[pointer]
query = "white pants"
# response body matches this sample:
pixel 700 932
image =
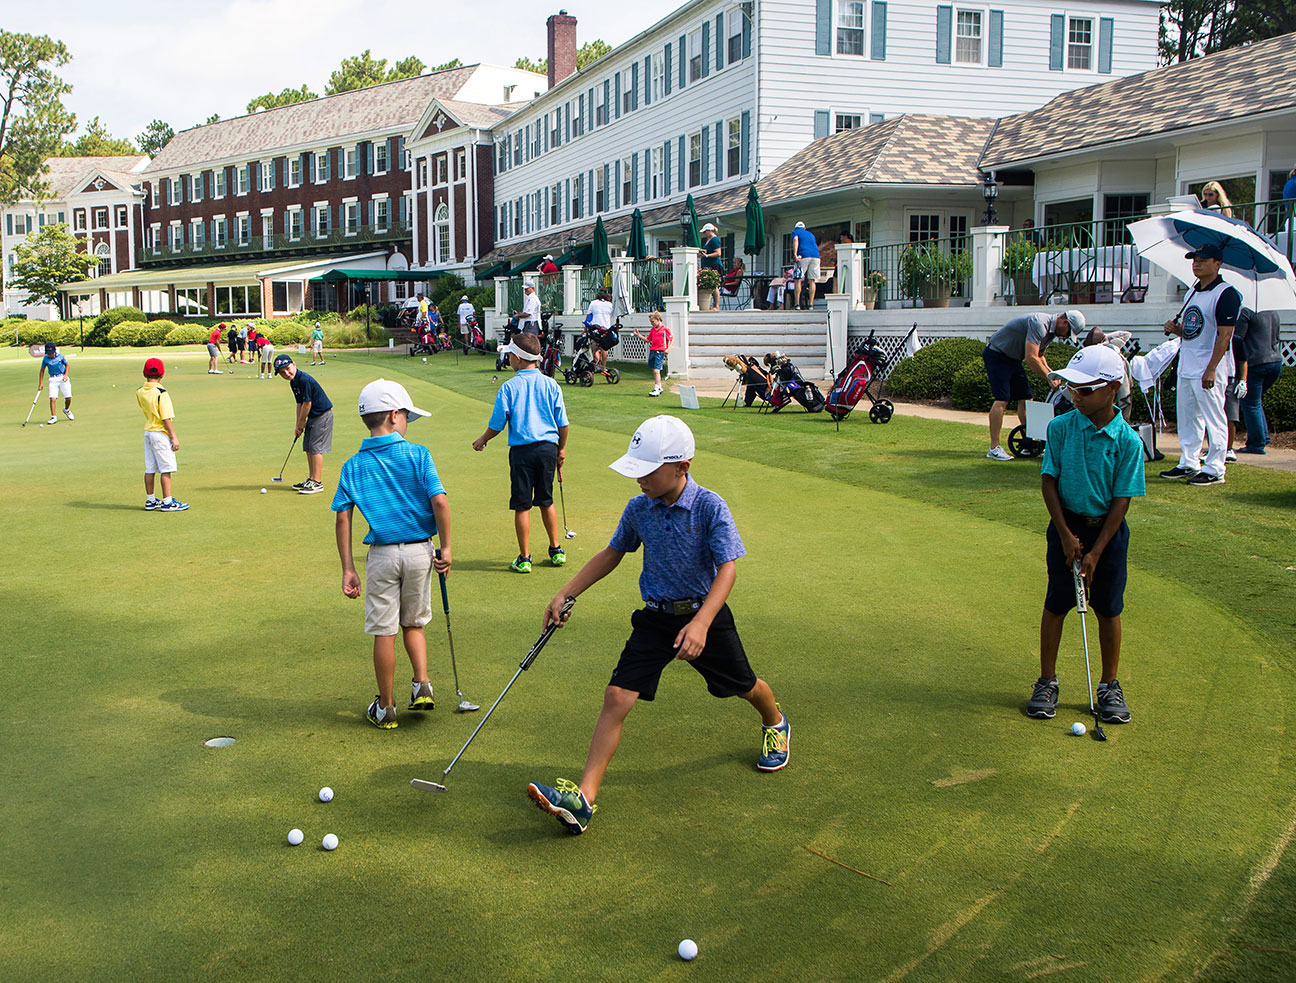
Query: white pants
pixel 1201 410
pixel 60 385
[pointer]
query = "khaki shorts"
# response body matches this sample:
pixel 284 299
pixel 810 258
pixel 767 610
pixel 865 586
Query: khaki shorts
pixel 397 587
pixel 809 267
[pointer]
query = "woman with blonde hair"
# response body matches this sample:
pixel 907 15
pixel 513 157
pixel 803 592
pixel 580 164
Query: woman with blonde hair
pixel 1215 198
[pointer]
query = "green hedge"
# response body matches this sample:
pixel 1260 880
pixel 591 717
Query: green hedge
pixel 39 332
pixel 930 373
pixel 97 336
pixel 1280 401
pixel 186 334
pixel 141 334
pixel 288 333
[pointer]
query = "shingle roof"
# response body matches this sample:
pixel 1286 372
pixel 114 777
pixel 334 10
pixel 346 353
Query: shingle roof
pixel 65 172
pixel 322 121
pixel 1231 84
pixel 478 114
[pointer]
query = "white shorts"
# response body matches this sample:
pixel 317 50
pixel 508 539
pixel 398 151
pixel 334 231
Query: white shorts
pixel 317 347
pixel 397 587
pixel 267 353
pixel 60 385
pixel 159 458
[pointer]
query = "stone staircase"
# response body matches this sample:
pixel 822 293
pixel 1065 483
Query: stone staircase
pixel 801 335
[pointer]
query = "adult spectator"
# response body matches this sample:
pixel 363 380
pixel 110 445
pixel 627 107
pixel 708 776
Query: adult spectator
pixel 1260 346
pixel 1215 198
pixel 548 266
pixel 805 250
pixel 1013 347
pixel 422 322
pixel 466 313
pixel 1030 233
pixel 598 321
pixel 529 316
pixel 1207 331
pixel 712 259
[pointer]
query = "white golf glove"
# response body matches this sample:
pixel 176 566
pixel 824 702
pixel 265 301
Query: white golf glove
pixel 1240 389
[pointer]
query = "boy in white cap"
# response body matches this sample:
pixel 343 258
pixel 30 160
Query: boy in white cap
pixel 1093 466
pixel 690 548
pixel 395 485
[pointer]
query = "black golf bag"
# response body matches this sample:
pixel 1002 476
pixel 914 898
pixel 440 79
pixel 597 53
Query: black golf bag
pixel 754 380
pixel 506 335
pixel 788 384
pixel 860 377
pixel 551 353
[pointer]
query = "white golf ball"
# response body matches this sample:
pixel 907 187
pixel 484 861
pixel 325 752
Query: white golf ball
pixel 329 842
pixel 1078 729
pixel 688 950
pixel 425 361
pixel 326 794
pixel 42 426
pixel 263 491
pixel 295 836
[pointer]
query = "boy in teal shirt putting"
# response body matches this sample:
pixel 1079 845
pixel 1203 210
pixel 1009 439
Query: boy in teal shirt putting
pixel 1093 466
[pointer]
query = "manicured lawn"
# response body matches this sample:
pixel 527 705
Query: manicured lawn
pixel 890 596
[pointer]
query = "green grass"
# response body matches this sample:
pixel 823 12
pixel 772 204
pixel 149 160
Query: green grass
pixel 890 595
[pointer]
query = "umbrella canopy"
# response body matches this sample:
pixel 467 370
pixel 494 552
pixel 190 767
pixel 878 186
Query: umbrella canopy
pixel 637 244
pixel 754 242
pixel 692 237
pixel 1260 272
pixel 599 255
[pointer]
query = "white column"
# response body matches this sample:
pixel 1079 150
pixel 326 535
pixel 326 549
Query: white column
pixel 501 295
pixel 677 322
pixel 571 281
pixel 987 265
pixel 684 267
pixel 839 308
pixel 851 260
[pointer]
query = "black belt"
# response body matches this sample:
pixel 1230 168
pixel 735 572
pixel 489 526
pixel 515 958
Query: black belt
pixel 406 542
pixel 686 606
pixel 1092 521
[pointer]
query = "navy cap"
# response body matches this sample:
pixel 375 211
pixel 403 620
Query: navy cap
pixel 1207 250
pixel 281 361
pixel 50 348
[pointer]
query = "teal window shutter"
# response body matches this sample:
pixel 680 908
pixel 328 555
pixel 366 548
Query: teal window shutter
pixel 634 178
pixel 706 156
pixel 647 76
pixel 1106 27
pixel 995 53
pixel 823 27
pixel 647 172
pixel 668 68
pixel 719 150
pixel 666 167
pixel 746 29
pixel 683 166
pixel 607 101
pixel 944 34
pixel 1057 35
pixel 616 95
pixel 720 41
pixel 589 195
pixel 877 50
pixel 634 86
pixel 683 58
pixel 820 123
pixel 746 141
pixel 287 173
pixel 706 48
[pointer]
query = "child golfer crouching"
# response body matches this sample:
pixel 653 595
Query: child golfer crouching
pixel 1093 466
pixel 396 487
pixel 690 545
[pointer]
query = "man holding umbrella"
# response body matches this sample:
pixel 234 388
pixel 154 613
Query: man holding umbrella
pixel 1205 364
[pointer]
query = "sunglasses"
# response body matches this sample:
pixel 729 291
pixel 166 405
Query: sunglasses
pixel 1088 390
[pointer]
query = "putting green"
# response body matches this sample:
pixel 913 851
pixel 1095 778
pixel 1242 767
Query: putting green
pixel 924 830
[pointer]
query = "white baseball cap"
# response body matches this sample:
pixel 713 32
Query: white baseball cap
pixel 661 440
pixel 383 394
pixel 464 297
pixel 1098 363
pixel 799 225
pixel 522 353
pixel 708 226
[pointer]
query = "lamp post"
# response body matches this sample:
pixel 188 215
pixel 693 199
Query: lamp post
pixel 686 223
pixel 571 247
pixel 989 191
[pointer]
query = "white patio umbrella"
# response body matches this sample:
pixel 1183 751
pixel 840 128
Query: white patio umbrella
pixel 1260 272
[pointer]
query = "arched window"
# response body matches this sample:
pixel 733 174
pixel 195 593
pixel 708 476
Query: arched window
pixel 441 232
pixel 104 252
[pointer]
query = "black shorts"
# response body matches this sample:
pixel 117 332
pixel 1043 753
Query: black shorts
pixel 242 344
pixel 531 473
pixel 650 649
pixel 1007 376
pixel 1107 589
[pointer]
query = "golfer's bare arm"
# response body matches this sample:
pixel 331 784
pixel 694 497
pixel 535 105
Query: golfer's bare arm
pixel 487 436
pixel 350 579
pixel 171 432
pixel 303 411
pixel 562 445
pixel 1053 502
pixel 441 511
pixel 596 568
pixel 1037 363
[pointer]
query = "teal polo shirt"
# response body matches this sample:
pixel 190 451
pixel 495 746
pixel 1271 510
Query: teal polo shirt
pixel 1093 466
pixel 392 481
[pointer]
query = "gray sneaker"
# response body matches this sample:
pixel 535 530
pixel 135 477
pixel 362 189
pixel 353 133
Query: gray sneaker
pixel 1043 701
pixel 1111 704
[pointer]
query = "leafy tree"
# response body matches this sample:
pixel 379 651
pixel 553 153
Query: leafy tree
pixel 540 67
pixel 33 120
pixel 590 51
pixel 155 136
pixel 1192 28
pixel 364 70
pixel 213 118
pixel 452 63
pixel 96 141
pixel 285 98
pixel 46 259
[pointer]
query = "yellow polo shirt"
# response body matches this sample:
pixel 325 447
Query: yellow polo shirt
pixel 156 404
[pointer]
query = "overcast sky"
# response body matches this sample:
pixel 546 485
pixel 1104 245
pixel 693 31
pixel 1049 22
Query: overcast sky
pixel 132 63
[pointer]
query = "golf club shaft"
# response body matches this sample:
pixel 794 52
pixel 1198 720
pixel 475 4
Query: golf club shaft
pixel 562 496
pixel 445 603
pixel 1082 606
pixel 35 400
pixel 483 722
pixel 290 450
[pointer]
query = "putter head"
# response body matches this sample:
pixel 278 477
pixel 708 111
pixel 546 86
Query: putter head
pixel 466 707
pixel 570 535
pixel 276 479
pixel 428 786
pixel 1098 734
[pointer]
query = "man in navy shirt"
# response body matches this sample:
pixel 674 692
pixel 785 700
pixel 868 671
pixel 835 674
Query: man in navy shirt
pixel 314 419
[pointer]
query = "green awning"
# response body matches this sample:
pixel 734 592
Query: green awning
pixel 527 265
pixel 401 276
pixel 580 256
pixel 182 276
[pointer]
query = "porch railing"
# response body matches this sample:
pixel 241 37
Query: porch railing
pixel 931 271
pixel 592 280
pixel 649 283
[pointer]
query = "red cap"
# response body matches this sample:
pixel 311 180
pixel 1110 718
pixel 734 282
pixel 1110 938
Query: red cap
pixel 154 368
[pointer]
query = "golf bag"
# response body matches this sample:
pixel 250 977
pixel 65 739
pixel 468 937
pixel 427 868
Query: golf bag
pixel 551 353
pixel 788 384
pixel 506 335
pixel 473 338
pixel 424 342
pixel 583 368
pixel 754 380
pixel 854 382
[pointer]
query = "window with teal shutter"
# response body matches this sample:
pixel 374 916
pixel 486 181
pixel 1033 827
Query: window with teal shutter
pixel 877 46
pixel 944 33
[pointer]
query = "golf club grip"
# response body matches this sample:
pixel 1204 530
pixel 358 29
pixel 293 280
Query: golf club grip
pixel 545 635
pixel 1082 600
pixel 445 598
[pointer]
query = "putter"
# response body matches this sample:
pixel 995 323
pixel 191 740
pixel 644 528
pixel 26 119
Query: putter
pixel 285 463
pixel 562 498
pixel 464 706
pixel 33 407
pixel 525 664
pixel 1082 605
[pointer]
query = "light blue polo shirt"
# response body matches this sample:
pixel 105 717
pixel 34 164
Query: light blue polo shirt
pixel 684 544
pixel 391 481
pixel 1093 466
pixel 530 407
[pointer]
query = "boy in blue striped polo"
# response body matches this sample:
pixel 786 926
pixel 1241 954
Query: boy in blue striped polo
pixel 1092 468
pixel 531 407
pixel 395 485
pixel 690 548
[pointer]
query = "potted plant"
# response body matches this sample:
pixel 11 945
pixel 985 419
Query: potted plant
pixel 1018 265
pixel 708 287
pixel 874 284
pixel 929 272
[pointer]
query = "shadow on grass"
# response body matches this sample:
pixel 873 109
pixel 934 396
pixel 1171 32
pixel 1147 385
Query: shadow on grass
pixel 105 506
pixel 1278 498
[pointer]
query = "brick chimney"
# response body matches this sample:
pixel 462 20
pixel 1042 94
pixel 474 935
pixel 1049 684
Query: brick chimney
pixel 562 46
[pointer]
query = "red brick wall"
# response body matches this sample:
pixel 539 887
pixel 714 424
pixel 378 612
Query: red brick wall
pixel 485 196
pixel 561 33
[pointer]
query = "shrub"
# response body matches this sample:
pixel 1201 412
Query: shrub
pixel 349 334
pixel 970 388
pixel 39 332
pixel 187 334
pixel 363 311
pixel 287 333
pixel 930 373
pixel 105 322
pixel 449 285
pixel 1280 401
pixel 140 334
pixel 1057 356
pixel 310 317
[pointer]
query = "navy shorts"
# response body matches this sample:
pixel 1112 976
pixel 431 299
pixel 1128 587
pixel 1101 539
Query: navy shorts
pixel 531 474
pixel 650 649
pixel 1107 588
pixel 656 360
pixel 1007 376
